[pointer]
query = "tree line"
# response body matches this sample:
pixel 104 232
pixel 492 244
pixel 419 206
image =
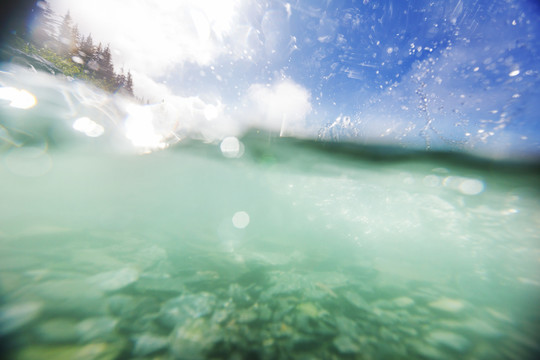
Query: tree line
pixel 58 40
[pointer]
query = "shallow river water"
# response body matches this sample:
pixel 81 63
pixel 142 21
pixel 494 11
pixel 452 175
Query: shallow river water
pixel 285 249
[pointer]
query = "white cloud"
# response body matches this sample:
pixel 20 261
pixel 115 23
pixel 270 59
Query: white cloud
pixel 281 107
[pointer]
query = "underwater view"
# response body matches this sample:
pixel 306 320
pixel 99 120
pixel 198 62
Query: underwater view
pixel 270 180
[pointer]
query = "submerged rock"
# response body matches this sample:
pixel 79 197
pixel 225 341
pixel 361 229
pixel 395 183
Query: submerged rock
pixel 345 345
pixel 114 280
pixel 178 310
pixel 427 351
pixel 449 340
pixel 194 339
pixel 15 316
pixel 474 326
pixel 94 351
pixel 147 344
pixel 403 301
pixel 346 326
pixel 149 257
pixel 166 286
pixel 122 305
pixel 57 331
pixel 448 305
pixel 246 316
pixel 357 301
pixel 69 297
pixel 100 328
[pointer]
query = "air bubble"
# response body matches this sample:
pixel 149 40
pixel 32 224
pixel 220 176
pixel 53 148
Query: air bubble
pixel 240 220
pixel 231 147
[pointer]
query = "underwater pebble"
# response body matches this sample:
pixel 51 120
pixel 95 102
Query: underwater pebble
pixel 177 310
pixel 448 305
pixel 57 331
pixel 427 351
pixel 499 316
pixel 345 345
pixel 15 316
pixel 100 328
pixel 309 309
pixel 149 257
pixel 220 316
pixel 448 339
pixel 403 301
pixel 169 286
pixel 122 305
pixel 265 313
pixel 482 328
pixel 357 300
pixel 194 338
pixel 114 280
pixel 65 297
pixel 345 325
pixel 476 326
pixel 95 351
pixel 147 344
pixel 246 316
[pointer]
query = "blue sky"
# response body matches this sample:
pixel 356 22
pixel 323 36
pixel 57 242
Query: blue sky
pixel 439 73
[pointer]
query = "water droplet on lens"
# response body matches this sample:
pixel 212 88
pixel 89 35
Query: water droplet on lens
pixel 240 219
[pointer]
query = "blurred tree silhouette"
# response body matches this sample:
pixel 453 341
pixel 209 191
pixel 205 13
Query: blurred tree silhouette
pixel 32 27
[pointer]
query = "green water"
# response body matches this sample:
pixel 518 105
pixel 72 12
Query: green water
pixel 295 250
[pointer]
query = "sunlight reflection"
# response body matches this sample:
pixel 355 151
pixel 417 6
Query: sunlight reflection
pixel 464 185
pixel 89 127
pixel 20 99
pixel 240 219
pixel 231 147
pixel 140 129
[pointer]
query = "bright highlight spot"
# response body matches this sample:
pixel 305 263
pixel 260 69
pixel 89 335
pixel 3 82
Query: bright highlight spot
pixel 139 127
pixel 240 220
pixel 464 185
pixel 77 60
pixel 20 99
pixel 88 127
pixel 231 147
pixel 514 73
pixel 471 187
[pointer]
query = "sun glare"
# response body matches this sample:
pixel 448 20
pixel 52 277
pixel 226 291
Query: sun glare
pixel 152 37
pixel 20 99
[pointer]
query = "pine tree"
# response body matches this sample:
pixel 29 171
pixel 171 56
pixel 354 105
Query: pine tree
pixel 87 50
pixel 65 36
pixel 44 25
pixel 120 80
pixel 60 42
pixel 74 41
pixel 93 61
pixel 106 65
pixel 129 84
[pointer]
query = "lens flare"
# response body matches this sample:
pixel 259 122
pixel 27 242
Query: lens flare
pixel 20 99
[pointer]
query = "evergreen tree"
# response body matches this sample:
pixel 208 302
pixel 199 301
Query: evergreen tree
pixel 65 36
pixel 120 80
pixel 129 84
pixel 106 68
pixel 87 50
pixel 60 42
pixel 93 62
pixel 44 25
pixel 74 41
